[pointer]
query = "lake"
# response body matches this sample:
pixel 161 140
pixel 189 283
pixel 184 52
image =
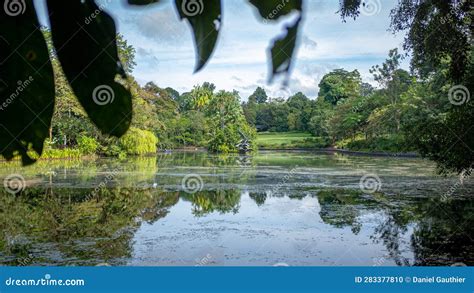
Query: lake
pixel 270 209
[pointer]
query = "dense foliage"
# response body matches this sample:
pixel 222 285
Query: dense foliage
pixel 84 41
pixel 405 113
pixel 428 109
pixel 162 118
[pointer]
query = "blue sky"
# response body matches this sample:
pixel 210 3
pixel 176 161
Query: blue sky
pixel 165 51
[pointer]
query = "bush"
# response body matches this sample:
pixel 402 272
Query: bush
pixel 87 145
pixel 61 154
pixel 389 143
pixel 224 140
pixel 138 142
pixel 114 150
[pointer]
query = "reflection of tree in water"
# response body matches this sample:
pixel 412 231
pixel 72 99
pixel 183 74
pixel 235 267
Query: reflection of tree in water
pixel 258 197
pixel 390 232
pixel 445 234
pixel 69 226
pixel 442 232
pixel 339 208
pixel 205 202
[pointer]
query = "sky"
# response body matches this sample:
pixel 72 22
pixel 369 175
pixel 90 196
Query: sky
pixel 165 50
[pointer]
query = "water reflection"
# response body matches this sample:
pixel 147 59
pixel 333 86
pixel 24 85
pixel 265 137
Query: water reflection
pixel 250 212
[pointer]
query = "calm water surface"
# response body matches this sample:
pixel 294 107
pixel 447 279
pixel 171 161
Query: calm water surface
pixel 275 208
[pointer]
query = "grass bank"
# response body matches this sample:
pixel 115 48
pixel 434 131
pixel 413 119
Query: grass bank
pixel 289 140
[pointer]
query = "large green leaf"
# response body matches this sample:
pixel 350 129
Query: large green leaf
pixel 205 19
pixel 283 49
pixel 85 40
pixel 26 82
pixel 274 9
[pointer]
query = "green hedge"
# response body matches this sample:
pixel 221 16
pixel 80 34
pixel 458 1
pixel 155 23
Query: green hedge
pixel 138 142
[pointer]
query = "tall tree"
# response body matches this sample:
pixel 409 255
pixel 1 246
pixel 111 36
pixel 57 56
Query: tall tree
pixel 339 85
pixel 259 96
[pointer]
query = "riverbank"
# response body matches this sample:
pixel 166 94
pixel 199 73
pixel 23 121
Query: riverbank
pixel 301 141
pixel 348 152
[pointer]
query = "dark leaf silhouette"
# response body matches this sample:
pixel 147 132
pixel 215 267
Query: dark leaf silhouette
pixel 205 20
pixel 283 47
pixel 86 46
pixel 26 83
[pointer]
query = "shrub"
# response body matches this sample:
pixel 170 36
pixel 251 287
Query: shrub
pixel 87 145
pixel 138 142
pixel 114 150
pixel 61 154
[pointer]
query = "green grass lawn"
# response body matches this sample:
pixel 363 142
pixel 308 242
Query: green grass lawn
pixel 275 140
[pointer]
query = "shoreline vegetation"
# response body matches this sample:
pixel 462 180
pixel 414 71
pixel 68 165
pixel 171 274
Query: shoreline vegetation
pixel 75 154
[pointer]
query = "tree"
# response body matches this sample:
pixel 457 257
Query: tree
pixel 227 122
pixel 174 94
pixel 439 38
pixel 339 85
pixel 300 112
pixel 259 96
pixel 395 82
pixel 201 96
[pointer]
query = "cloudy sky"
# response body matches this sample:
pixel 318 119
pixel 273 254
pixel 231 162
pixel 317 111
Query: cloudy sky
pixel 165 51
